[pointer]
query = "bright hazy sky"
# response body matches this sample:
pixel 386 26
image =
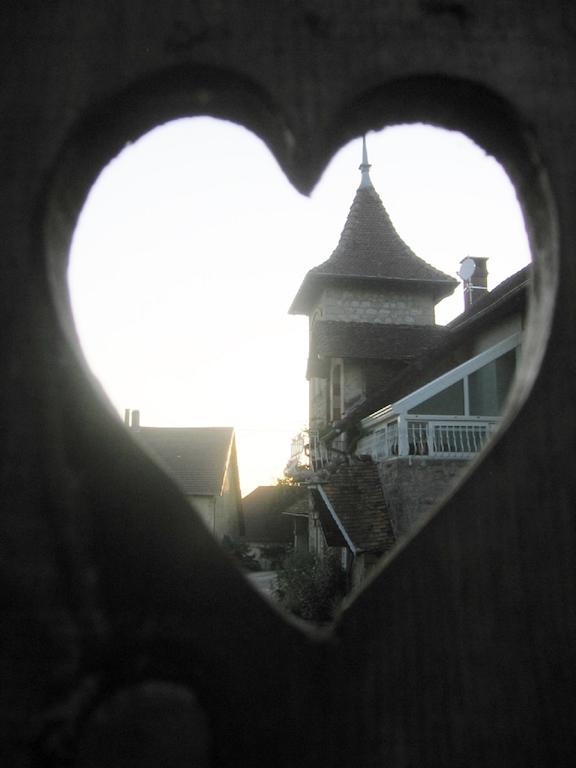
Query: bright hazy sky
pixel 192 245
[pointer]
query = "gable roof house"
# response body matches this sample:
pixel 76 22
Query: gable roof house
pixel 390 389
pixel 202 461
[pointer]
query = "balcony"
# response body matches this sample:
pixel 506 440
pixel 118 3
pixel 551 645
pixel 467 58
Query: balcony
pixel 321 454
pixel 310 454
pixel 452 416
pixel 448 437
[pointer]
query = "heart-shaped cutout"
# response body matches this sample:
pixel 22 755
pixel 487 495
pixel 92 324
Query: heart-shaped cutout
pixel 195 246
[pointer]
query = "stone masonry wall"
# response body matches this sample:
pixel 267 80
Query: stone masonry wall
pixel 318 402
pixel 364 305
pixel 412 486
pixel 354 390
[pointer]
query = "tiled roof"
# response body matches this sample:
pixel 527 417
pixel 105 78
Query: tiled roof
pixel 264 512
pixel 355 494
pixel 371 249
pixel 195 457
pixel 376 341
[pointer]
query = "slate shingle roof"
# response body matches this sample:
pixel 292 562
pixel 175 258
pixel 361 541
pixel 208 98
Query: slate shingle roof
pixel 367 341
pixel 355 494
pixel 370 249
pixel 264 512
pixel 195 457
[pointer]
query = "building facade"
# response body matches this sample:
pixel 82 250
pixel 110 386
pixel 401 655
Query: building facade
pixel 391 389
pixel 370 308
pixel 203 463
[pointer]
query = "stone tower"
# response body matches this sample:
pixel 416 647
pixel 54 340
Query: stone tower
pixel 370 308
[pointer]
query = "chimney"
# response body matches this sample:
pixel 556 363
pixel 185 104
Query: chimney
pixel 474 275
pixel 127 416
pixel 135 420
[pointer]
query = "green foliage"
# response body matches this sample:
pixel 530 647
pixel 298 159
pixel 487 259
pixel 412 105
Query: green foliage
pixel 240 551
pixel 275 554
pixel 286 481
pixel 311 587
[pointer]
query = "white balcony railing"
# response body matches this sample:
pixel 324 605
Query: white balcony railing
pixel 436 437
pixel 322 454
pixel 443 437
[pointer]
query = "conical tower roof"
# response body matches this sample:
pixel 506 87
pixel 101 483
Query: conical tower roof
pixel 371 251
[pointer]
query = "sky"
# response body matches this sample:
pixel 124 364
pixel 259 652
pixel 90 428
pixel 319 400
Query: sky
pixel 192 245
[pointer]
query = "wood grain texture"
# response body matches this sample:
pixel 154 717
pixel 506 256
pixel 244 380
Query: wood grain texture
pixel 461 650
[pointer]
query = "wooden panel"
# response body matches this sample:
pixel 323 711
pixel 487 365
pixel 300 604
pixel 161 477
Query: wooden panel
pixel 117 607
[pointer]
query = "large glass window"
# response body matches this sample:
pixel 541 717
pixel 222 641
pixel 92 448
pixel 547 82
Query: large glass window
pixel 448 402
pixel 488 386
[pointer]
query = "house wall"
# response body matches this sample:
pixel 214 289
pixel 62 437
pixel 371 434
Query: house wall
pixel 337 388
pixel 318 402
pixel 493 335
pixel 361 566
pixel 301 534
pixel 354 383
pixel 228 507
pixel 221 514
pixel 365 305
pixel 353 390
pixel 316 539
pixel 205 506
pixel 412 486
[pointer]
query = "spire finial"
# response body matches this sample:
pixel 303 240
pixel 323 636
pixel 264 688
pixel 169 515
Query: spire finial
pixel 365 167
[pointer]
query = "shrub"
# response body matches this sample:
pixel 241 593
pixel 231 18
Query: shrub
pixel 274 554
pixel 240 551
pixel 311 587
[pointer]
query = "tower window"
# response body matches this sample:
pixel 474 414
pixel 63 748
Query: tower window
pixel 336 393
